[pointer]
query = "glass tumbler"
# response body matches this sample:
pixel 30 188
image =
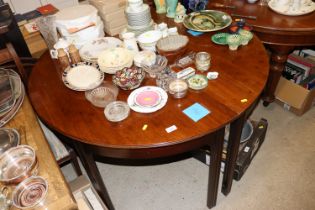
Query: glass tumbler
pixel 203 61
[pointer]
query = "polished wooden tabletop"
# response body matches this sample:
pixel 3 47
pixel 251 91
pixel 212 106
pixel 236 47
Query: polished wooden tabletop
pixel 59 195
pixel 281 34
pixel 242 75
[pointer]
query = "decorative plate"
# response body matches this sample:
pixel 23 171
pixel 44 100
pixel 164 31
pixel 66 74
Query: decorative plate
pixel 197 82
pixel 82 76
pixel 147 99
pixel 219 38
pixel 289 10
pixel 207 20
pixel 91 50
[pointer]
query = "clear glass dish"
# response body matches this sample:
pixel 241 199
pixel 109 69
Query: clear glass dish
pixel 117 111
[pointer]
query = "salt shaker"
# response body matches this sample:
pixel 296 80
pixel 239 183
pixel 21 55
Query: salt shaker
pixel 63 59
pixel 74 54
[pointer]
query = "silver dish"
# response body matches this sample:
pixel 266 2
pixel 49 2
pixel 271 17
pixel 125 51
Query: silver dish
pixel 9 138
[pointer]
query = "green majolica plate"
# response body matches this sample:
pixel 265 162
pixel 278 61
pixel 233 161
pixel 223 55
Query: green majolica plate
pixel 219 38
pixel 207 20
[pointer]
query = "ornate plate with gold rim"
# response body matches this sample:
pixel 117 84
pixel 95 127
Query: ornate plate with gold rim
pixel 207 20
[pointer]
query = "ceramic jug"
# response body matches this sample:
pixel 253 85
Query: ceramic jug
pixel 171 8
pixel 130 41
pixel 160 6
pixel 61 44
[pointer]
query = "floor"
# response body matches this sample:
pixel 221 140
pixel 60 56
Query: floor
pixel 280 177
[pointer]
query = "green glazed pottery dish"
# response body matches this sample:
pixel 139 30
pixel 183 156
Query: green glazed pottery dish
pixel 219 38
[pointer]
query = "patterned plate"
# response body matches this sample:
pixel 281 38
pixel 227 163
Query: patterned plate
pixel 82 76
pixel 207 20
pixel 90 51
pixel 157 100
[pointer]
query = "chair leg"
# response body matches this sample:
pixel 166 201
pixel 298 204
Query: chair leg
pixel 17 61
pixel 74 162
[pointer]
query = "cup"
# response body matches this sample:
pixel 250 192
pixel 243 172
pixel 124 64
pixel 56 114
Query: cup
pixel 61 44
pixel 202 61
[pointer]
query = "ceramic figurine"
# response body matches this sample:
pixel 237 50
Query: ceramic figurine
pixel 160 6
pixel 180 13
pixel 171 8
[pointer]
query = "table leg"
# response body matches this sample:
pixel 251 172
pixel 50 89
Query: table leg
pixel 279 55
pixel 232 152
pixel 214 169
pixel 90 166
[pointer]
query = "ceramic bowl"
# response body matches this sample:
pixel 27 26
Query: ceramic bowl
pixel 17 164
pixel 128 78
pixel 102 95
pixel 114 59
pixel 148 40
pixel 30 193
pixel 178 88
pixel 172 47
pixel 159 65
pixel 197 82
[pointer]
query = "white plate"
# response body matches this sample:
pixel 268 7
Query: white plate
pixel 91 50
pixel 147 109
pixel 82 76
pixel 289 9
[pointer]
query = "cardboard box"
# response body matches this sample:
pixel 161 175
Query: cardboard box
pixel 294 97
pixel 106 7
pixel 85 195
pixel 115 31
pixel 113 16
pixel 116 23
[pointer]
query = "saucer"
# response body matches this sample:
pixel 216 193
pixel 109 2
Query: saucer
pixel 289 9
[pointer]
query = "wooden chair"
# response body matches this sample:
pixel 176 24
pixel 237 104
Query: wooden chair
pixel 9 59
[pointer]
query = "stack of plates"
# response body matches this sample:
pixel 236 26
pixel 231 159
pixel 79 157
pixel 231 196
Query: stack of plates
pixel 147 99
pixel 92 49
pixel 114 59
pixel 139 20
pixel 79 24
pixel 11 94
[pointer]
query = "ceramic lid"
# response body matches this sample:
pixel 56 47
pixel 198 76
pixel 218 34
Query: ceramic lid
pixel 75 12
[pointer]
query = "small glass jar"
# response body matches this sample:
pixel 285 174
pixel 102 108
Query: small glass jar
pixel 202 61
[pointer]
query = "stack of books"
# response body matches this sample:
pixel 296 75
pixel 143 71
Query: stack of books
pixel 299 69
pixel 112 13
pixel 28 19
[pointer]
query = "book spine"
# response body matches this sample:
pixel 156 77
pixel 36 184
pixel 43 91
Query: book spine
pixel 300 67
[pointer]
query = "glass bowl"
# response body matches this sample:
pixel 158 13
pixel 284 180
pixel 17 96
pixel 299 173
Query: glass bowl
pixel 159 65
pixel 128 78
pixel 102 95
pixel 17 164
pixel 30 193
pixel 117 111
pixel 197 82
pixel 178 88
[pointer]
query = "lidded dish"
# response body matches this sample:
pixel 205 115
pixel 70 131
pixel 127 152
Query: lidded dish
pixel 114 59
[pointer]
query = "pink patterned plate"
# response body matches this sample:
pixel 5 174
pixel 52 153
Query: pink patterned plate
pixel 148 98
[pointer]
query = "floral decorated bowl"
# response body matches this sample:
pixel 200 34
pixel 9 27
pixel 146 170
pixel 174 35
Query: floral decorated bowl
pixel 128 78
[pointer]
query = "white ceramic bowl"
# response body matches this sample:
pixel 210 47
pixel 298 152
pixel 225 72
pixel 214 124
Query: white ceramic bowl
pixel 148 40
